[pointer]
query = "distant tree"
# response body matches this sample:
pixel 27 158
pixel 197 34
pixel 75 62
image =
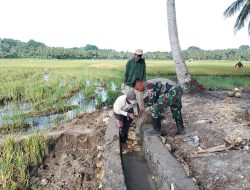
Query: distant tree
pixel 10 48
pixel 90 47
pixel 34 44
pixel 244 7
pixel 180 65
pixel 194 48
pixel 244 47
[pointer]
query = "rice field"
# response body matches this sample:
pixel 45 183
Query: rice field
pixel 46 84
pixel 24 78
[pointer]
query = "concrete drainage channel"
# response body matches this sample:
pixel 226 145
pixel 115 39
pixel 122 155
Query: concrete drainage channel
pixel 136 173
pixel 135 170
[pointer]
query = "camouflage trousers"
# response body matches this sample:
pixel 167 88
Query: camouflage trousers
pixel 158 110
pixel 171 99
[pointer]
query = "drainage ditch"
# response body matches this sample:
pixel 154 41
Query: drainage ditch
pixel 145 165
pixel 136 173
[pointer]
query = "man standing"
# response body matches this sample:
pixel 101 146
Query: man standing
pixel 239 65
pixel 135 72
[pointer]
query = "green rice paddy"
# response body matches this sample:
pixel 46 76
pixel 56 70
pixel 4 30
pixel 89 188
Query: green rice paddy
pixel 23 79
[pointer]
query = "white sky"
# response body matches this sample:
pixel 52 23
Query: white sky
pixel 119 24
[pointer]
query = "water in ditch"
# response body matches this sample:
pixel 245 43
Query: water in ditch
pixel 137 175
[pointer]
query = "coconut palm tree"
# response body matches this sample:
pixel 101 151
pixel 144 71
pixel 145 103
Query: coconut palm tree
pixel 244 7
pixel 180 66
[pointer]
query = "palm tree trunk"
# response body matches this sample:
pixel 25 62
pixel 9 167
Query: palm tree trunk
pixel 180 66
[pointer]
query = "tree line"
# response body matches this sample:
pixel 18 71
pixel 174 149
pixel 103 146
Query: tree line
pixel 10 48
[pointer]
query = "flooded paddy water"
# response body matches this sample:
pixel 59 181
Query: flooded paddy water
pixel 12 113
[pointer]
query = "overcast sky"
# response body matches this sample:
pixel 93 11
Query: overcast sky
pixel 123 25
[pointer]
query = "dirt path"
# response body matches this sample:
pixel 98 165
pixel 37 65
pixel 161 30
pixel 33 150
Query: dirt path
pixel 76 161
pixel 210 118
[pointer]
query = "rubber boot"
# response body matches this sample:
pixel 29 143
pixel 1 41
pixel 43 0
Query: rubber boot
pixel 156 122
pixel 179 127
pixel 156 131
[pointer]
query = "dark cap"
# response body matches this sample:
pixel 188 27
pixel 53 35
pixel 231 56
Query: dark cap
pixel 131 95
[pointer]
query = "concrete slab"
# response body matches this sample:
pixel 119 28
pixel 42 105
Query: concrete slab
pixel 165 168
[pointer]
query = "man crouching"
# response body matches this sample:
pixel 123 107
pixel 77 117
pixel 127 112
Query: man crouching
pixel 123 113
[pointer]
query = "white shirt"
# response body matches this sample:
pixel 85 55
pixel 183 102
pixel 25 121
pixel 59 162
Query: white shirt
pixel 121 106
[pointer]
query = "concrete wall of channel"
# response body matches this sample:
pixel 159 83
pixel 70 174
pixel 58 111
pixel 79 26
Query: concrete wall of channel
pixel 113 173
pixel 163 166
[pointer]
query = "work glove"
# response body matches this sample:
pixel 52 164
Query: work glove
pixel 119 123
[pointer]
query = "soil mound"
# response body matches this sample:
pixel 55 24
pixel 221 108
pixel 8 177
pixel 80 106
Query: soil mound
pixel 75 161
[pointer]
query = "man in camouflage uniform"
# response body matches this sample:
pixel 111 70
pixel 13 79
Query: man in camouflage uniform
pixel 161 94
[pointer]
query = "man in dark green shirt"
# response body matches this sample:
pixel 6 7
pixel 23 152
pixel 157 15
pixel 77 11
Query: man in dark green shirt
pixel 135 71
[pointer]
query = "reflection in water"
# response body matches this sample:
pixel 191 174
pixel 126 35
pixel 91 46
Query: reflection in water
pixel 88 82
pixel 38 122
pixel 11 109
pixel 101 93
pixel 113 86
pixel 46 77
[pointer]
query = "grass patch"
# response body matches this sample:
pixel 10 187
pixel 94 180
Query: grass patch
pixel 15 158
pixel 224 82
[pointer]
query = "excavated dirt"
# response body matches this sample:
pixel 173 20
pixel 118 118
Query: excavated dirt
pixel 210 118
pixel 75 162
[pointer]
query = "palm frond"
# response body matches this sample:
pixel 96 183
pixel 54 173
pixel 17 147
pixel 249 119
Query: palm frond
pixel 233 8
pixel 249 28
pixel 242 18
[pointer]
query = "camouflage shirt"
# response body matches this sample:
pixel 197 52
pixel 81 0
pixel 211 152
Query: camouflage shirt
pixel 161 95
